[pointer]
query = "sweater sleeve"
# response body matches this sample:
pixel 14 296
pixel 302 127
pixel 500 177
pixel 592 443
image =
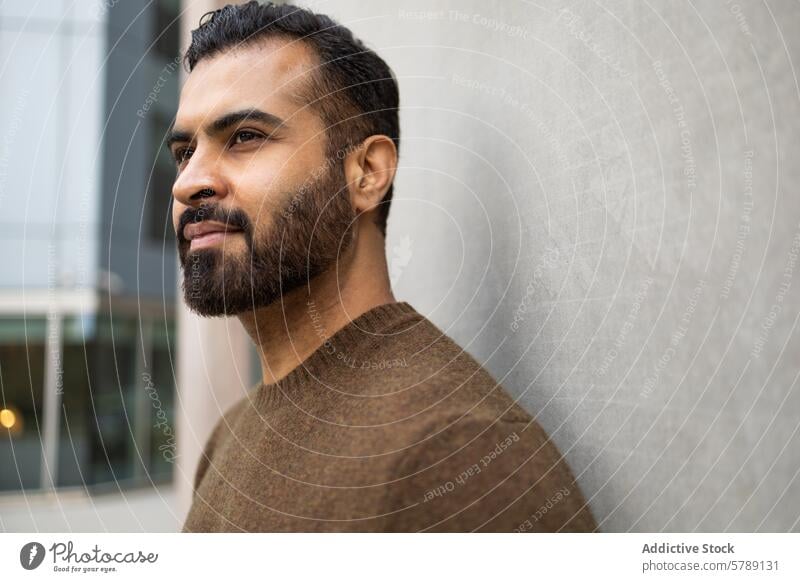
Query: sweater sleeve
pixel 496 475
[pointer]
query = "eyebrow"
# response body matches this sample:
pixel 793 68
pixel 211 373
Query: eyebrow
pixel 226 121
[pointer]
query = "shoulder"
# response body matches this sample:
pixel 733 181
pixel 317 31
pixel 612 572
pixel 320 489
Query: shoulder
pixel 478 460
pixel 431 372
pixel 478 473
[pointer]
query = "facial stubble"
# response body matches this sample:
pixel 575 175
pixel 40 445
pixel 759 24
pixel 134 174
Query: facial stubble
pixel 306 237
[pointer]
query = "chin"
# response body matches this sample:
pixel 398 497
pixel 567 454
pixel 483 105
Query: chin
pixel 216 300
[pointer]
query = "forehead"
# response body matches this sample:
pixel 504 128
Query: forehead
pixel 271 75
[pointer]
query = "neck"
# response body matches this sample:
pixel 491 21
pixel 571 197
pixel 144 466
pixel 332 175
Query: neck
pixel 297 324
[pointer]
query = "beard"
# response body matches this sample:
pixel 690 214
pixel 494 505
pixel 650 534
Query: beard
pixel 305 239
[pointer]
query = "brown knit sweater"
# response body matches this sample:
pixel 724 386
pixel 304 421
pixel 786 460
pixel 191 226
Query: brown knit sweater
pixel 388 426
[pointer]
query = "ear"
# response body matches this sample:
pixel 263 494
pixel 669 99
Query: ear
pixel 370 170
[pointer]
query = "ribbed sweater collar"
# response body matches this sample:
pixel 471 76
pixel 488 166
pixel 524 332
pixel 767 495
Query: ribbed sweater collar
pixel 347 340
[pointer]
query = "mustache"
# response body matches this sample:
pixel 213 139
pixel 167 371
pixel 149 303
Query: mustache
pixel 233 217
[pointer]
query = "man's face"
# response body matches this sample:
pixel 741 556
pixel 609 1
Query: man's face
pixel 258 209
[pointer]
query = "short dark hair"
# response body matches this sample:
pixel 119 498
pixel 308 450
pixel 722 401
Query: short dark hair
pixel 353 90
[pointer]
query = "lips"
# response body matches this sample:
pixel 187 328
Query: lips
pixel 207 233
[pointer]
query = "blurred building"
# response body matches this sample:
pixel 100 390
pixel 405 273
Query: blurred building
pixel 88 284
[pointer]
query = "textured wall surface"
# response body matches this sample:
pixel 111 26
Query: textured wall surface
pixel 600 204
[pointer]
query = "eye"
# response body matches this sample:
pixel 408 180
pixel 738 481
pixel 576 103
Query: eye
pixel 245 136
pixel 182 154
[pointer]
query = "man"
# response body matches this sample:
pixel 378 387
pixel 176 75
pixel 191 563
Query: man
pixel 368 417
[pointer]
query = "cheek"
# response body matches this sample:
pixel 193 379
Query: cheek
pixel 259 193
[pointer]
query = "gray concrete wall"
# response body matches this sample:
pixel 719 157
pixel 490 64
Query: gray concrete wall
pixel 600 204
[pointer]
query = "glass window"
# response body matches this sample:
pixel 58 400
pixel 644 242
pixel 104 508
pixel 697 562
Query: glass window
pixel 117 422
pixel 76 419
pixel 167 29
pixel 22 353
pixel 161 393
pixel 159 192
pixel 112 403
pixel 164 67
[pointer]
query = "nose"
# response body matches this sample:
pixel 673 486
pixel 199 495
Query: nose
pixel 200 179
